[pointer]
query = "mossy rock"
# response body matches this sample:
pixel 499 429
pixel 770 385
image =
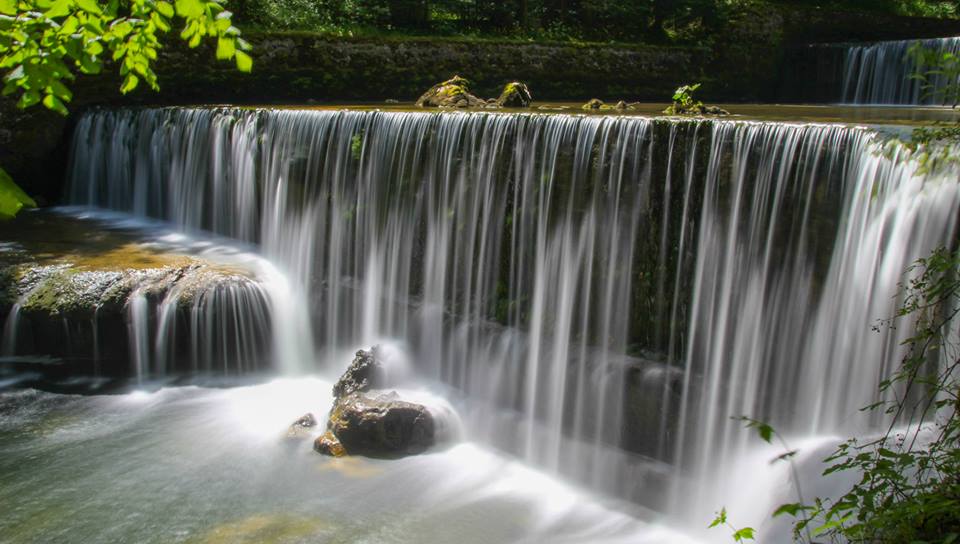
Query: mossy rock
pixel 595 104
pixel 515 95
pixel 74 281
pixel 452 93
pixel 695 109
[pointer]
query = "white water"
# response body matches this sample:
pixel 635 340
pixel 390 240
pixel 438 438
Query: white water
pixel 192 464
pixel 526 261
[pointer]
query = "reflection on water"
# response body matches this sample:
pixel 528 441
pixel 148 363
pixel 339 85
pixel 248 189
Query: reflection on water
pixel 199 465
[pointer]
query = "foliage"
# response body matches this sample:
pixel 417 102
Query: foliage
pixel 554 20
pixel 908 487
pixel 934 147
pixel 938 73
pixel 700 22
pixel 916 8
pixel 685 104
pixel 44 43
pixel 739 535
pixel 683 97
pixel 12 197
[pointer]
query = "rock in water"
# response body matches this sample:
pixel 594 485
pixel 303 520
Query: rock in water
pixel 515 95
pixel 593 104
pixel 373 423
pixel 381 426
pixel 366 372
pixel 301 427
pixel 328 444
pixel 452 93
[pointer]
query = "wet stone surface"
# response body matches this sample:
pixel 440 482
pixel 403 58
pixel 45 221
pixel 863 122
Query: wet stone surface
pixel 79 291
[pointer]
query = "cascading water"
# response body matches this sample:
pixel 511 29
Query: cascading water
pixel 879 73
pixel 605 291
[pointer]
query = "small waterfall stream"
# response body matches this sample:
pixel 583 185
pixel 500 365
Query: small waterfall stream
pixel 879 73
pixel 604 292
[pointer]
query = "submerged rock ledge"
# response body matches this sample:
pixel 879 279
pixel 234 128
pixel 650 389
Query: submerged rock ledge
pixel 104 302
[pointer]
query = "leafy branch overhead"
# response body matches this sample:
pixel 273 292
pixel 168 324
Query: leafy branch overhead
pixel 45 43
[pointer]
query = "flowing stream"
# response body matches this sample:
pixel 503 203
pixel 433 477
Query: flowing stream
pixel 596 295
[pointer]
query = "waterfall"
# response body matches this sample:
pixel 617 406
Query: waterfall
pixel 602 292
pixel 881 73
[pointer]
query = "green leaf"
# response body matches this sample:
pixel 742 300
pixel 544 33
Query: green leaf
pixel 8 7
pixel 226 47
pixel 165 9
pixel 55 104
pixel 12 197
pixel 244 62
pixel 765 431
pixel 89 65
pixel 59 8
pixel 792 509
pixel 189 8
pixel 90 6
pixel 746 533
pixel 785 456
pixel 129 84
pixel 720 519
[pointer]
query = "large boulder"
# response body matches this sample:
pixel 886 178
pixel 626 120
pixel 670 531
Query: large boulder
pixel 515 95
pixel 364 421
pixel 452 93
pixel 377 425
pixel 366 372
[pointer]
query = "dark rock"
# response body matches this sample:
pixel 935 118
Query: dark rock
pixel 515 95
pixel 714 110
pixel 381 426
pixel 366 372
pixel 452 93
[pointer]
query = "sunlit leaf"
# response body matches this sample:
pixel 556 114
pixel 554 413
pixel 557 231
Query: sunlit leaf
pixel 55 104
pixel 60 8
pixel 189 8
pixel 244 62
pixel 12 197
pixel 129 83
pixel 226 47
pixel 165 9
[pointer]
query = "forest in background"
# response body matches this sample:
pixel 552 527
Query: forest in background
pixel 632 21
